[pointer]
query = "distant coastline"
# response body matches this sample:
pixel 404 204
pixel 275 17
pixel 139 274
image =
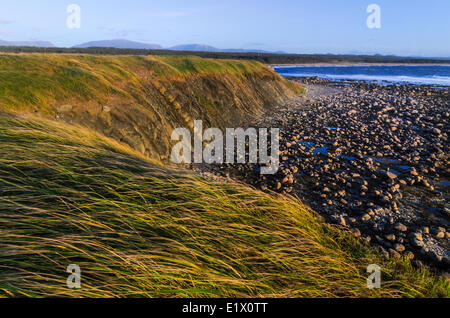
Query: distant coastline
pixel 358 64
pixel 265 58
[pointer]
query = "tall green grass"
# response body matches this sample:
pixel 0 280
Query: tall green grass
pixel 38 82
pixel 138 229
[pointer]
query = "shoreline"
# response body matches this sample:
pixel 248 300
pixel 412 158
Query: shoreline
pixel 357 64
pixel 381 82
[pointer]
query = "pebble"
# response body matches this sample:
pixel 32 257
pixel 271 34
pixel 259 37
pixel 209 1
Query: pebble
pixel 390 237
pixel 394 253
pixel 418 236
pixel 356 232
pixel 401 227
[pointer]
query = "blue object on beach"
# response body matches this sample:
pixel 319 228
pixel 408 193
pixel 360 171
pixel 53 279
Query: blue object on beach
pixel 347 157
pixel 321 150
pixel 307 143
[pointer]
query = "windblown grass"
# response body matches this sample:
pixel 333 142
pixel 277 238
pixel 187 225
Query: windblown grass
pixel 138 229
pixel 37 82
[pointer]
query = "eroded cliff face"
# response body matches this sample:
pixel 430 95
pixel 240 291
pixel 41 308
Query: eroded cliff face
pixel 140 100
pixel 219 100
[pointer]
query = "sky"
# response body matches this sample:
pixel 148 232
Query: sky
pixel 408 27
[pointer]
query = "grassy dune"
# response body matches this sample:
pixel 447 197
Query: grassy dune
pixel 136 228
pixel 40 81
pixel 146 97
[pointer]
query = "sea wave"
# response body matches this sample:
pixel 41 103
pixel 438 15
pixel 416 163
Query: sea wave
pixel 433 80
pixel 421 75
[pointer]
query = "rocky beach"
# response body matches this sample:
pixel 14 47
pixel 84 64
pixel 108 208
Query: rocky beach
pixel 371 158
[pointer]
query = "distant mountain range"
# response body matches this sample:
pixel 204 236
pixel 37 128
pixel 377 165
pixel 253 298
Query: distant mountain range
pixel 208 48
pixel 194 47
pixel 125 44
pixel 27 43
pixel 120 44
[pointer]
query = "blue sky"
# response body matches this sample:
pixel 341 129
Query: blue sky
pixel 409 27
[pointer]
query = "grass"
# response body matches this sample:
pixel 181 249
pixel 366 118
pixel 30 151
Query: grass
pixel 138 229
pixel 37 82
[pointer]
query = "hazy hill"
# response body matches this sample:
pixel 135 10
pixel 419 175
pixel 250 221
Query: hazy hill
pixel 194 47
pixel 27 43
pixel 208 48
pixel 251 51
pixel 119 44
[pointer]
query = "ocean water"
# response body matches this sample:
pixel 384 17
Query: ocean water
pixel 438 75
